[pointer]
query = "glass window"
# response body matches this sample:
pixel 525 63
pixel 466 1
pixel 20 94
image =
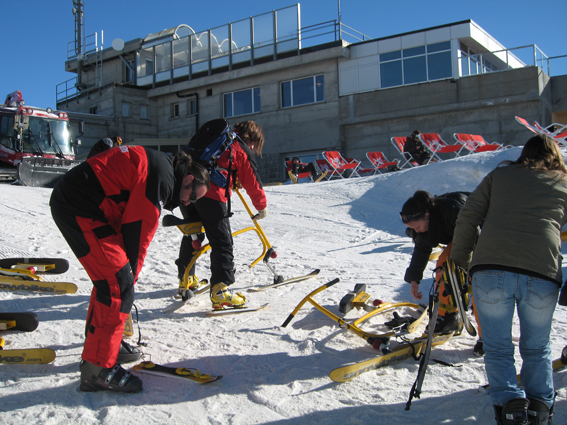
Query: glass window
pixel 242 102
pixel 414 51
pixel 438 47
pixel 390 56
pixel 439 66
pixel 191 107
pixel 125 109
pixel 174 110
pixel 303 91
pixel 144 112
pixel 391 74
pixel 415 70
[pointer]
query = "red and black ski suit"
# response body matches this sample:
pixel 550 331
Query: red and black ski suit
pixel 108 209
pixel 211 211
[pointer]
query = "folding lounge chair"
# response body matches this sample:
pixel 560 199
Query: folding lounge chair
pixel 399 143
pixel 363 169
pixel 379 161
pixel 325 168
pixel 538 129
pixel 294 177
pixel 436 145
pixel 339 165
pixel 475 143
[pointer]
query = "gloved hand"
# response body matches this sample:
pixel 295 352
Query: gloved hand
pixel 398 321
pixel 261 214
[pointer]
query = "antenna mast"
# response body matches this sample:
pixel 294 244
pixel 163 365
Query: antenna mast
pixel 79 14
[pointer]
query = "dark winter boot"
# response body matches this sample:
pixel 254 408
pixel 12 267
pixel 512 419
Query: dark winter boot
pixel 128 353
pixel 96 378
pixel 515 412
pixel 448 323
pixel 478 349
pixel 539 413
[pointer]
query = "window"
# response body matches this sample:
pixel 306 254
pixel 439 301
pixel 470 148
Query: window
pixel 242 102
pixel 129 71
pixel 149 67
pixel 416 64
pixel 7 132
pixel 175 110
pixel 125 109
pixel 93 110
pixel 303 91
pixel 144 115
pixel 192 107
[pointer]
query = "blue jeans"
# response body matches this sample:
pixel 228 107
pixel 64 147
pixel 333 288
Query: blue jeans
pixel 497 294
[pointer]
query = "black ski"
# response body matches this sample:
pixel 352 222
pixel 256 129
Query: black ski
pixel 286 281
pixel 41 265
pixel 433 312
pixel 26 322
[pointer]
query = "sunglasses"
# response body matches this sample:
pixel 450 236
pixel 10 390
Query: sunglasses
pixel 193 196
pixel 407 218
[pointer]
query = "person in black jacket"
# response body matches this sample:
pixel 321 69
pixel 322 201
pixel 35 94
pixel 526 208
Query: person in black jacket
pixel 415 148
pixel 104 144
pixel 431 221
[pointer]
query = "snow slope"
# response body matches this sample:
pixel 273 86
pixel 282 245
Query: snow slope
pixel 350 229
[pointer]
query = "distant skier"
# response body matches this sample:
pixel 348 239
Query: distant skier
pixel 108 210
pixel 431 221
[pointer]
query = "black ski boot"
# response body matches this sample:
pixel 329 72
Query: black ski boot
pixel 448 323
pixel 96 378
pixel 514 412
pixel 539 413
pixel 478 349
pixel 128 353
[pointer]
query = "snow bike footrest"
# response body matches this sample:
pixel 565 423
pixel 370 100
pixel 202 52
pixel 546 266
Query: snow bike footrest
pixel 187 227
pixel 355 299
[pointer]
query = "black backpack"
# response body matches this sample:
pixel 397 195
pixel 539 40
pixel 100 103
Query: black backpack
pixel 211 140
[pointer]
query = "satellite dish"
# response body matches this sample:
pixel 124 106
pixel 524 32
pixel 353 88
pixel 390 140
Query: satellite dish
pixel 118 44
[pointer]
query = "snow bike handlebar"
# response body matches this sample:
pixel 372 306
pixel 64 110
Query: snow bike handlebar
pixel 368 337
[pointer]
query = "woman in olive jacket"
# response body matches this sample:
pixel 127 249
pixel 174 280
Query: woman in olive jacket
pixel 516 263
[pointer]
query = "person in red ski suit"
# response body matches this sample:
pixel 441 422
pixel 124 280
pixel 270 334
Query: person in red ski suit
pixel 108 210
pixel 211 211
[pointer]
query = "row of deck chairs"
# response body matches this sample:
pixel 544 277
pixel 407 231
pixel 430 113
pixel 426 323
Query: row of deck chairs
pixel 469 143
pixel 557 132
pixel 335 165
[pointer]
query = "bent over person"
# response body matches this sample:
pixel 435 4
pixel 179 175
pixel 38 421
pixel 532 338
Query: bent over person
pixel 108 209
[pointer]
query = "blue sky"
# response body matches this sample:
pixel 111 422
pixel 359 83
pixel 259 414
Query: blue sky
pixel 36 32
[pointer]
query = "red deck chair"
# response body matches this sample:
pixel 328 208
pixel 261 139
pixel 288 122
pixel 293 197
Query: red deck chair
pixel 363 169
pixel 538 129
pixel 339 164
pixel 475 143
pixel 379 161
pixel 325 167
pixel 399 143
pixel 294 177
pixel 436 145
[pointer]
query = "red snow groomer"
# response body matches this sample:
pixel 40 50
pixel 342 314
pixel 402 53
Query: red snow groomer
pixel 35 144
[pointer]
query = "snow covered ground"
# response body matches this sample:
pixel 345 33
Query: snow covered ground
pixel 350 229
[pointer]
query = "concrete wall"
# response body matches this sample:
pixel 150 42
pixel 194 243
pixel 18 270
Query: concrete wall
pixel 483 104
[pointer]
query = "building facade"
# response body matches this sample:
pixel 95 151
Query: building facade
pixel 312 93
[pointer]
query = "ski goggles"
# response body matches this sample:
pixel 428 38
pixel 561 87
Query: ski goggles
pixel 408 218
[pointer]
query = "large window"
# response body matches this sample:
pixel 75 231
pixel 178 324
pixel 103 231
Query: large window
pixel 242 102
pixel 303 91
pixel 415 65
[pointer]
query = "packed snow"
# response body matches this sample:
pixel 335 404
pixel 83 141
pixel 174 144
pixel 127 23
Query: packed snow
pixel 350 229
